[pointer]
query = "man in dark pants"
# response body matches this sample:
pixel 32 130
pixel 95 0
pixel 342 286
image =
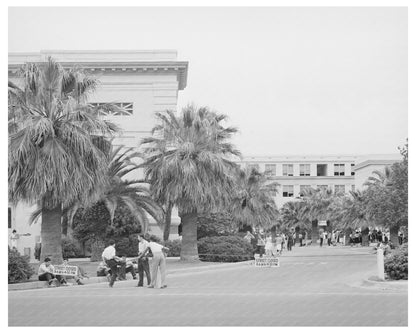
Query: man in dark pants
pixel 110 258
pixel 143 261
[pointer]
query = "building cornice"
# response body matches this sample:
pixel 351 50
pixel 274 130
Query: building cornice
pixel 180 68
pixel 374 162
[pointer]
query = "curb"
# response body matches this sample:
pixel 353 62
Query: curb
pixel 96 279
pixel 386 285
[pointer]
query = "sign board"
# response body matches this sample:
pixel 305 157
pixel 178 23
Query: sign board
pixel 65 270
pixel 322 223
pixel 267 261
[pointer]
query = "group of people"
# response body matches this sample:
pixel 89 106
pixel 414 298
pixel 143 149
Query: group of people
pixel 146 249
pixel 46 273
pixel 272 244
pixel 331 238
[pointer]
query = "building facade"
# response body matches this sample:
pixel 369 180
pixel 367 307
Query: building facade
pixel 341 173
pixel 141 83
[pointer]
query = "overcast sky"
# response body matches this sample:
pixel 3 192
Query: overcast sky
pixel 293 80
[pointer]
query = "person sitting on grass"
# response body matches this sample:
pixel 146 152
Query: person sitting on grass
pixel 45 273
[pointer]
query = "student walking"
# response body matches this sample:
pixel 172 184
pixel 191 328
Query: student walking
pixel 110 258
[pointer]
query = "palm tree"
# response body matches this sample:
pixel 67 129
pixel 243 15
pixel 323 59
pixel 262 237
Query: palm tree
pixel 253 203
pixel 56 155
pixel 381 177
pixel 292 215
pixel 187 163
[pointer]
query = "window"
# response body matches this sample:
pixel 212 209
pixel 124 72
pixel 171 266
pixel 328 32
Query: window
pixel 254 166
pixel 114 109
pixel 287 169
pixel 353 188
pixel 305 170
pixel 339 188
pixel 321 170
pixel 10 218
pixel 288 190
pixel 339 169
pixel 352 167
pixel 270 169
pixel 303 189
pixel 322 187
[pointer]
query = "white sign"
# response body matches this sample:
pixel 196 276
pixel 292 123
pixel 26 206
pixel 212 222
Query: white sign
pixel 65 270
pixel 322 223
pixel 267 261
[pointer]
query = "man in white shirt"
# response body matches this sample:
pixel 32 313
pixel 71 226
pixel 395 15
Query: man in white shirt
pixel 143 261
pixel 158 260
pixel 45 273
pixel 110 258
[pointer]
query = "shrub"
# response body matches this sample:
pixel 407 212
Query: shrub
pixel 174 247
pixel 216 224
pixel 70 249
pixel 395 263
pixel 19 267
pixel 127 246
pixel 224 249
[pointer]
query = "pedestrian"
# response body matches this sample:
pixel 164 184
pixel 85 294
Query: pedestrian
pixel 289 241
pixel 279 241
pixel 400 236
pixel 111 260
pixel 158 262
pixel 321 238
pixel 269 245
pixel 261 244
pixel 14 238
pixel 143 261
pixel 329 238
pixel 300 239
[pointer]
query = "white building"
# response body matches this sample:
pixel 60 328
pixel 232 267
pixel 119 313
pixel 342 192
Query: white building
pixel 140 82
pixel 342 173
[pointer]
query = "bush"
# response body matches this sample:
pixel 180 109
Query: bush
pixel 127 246
pixel 19 267
pixel 174 247
pixel 224 249
pixel 70 249
pixel 216 224
pixel 395 263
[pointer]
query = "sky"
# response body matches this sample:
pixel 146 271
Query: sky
pixel 293 80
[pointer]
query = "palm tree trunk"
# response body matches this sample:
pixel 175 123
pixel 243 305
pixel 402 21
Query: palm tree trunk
pixel 189 247
pixel 51 234
pixel 97 248
pixel 394 237
pixel 168 220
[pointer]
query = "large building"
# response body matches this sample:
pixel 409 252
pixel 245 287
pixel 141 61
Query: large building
pixel 139 82
pixel 294 174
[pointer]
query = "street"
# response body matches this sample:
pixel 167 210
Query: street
pixel 312 287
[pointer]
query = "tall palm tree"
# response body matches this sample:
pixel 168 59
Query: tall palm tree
pixel 292 214
pixel 187 163
pixel 55 152
pixel 253 203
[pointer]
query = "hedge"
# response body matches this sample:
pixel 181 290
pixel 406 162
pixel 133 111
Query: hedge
pixel 396 263
pixel 224 249
pixel 19 267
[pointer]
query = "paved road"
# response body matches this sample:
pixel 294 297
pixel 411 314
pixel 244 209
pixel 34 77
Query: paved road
pixel 313 287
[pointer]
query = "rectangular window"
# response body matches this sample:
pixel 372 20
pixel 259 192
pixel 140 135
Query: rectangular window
pixel 339 169
pixel 287 169
pixel 10 218
pixel 339 188
pixel 270 169
pixel 288 190
pixel 305 170
pixel 321 170
pixel 352 167
pixel 114 109
pixel 254 166
pixel 353 188
pixel 303 189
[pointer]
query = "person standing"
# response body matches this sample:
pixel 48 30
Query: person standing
pixel 143 261
pixel 110 258
pixel 289 241
pixel 300 239
pixel 269 245
pixel 158 261
pixel 321 238
pixel 260 244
